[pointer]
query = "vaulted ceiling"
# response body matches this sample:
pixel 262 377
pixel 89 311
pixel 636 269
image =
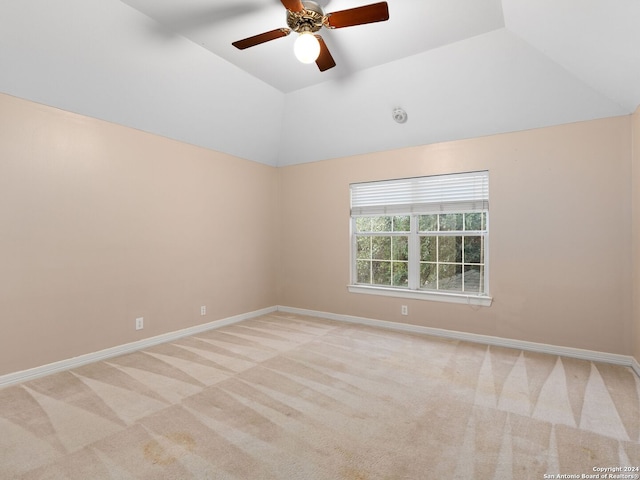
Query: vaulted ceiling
pixel 460 68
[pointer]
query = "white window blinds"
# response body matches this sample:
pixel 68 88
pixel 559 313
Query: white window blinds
pixel 460 192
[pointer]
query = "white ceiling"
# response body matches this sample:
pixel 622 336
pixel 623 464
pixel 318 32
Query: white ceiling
pixel 460 68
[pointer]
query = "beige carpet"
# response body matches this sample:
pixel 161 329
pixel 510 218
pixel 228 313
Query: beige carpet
pixel 290 397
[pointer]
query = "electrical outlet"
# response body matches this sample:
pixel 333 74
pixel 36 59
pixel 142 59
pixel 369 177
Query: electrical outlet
pixel 139 323
pixel 203 310
pixel 404 310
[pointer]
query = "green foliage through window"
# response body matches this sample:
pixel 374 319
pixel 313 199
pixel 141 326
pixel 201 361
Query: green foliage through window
pixel 450 249
pixel 452 261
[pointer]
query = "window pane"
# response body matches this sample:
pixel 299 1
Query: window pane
pixel 381 273
pixel 474 279
pixel 400 248
pixel 428 223
pixel 451 221
pixel 363 245
pixel 402 223
pixel 363 271
pixel 363 224
pixel 449 277
pixel 400 274
pixel 428 275
pixel 428 249
pixel 381 248
pixel 450 249
pixel 473 251
pixel 381 224
pixel 474 221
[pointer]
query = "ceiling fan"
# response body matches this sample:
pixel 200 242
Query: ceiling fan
pixel 306 18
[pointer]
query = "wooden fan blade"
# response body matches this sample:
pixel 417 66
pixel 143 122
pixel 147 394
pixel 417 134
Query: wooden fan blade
pixel 293 5
pixel 376 12
pixel 324 61
pixel 261 38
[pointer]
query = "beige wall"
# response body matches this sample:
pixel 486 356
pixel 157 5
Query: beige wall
pixel 100 224
pixel 560 241
pixel 636 232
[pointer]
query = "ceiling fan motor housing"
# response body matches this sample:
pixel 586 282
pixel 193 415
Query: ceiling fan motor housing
pixel 309 20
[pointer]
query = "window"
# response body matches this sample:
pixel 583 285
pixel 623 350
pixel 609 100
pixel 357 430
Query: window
pixel 423 237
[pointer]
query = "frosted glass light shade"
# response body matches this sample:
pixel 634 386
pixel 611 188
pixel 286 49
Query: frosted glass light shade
pixel 306 47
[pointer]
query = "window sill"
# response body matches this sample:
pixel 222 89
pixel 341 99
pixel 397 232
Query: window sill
pixel 484 301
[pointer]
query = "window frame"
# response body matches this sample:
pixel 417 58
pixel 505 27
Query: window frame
pixel 438 234
pixel 413 290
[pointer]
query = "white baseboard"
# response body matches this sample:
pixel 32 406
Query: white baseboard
pixel 592 355
pixel 33 373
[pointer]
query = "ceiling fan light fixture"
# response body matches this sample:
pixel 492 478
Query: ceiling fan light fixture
pixel 306 47
pixel 307 17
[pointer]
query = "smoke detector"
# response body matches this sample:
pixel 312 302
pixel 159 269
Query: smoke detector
pixel 399 115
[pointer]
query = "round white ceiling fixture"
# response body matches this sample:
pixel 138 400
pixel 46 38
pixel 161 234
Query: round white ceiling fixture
pixel 399 115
